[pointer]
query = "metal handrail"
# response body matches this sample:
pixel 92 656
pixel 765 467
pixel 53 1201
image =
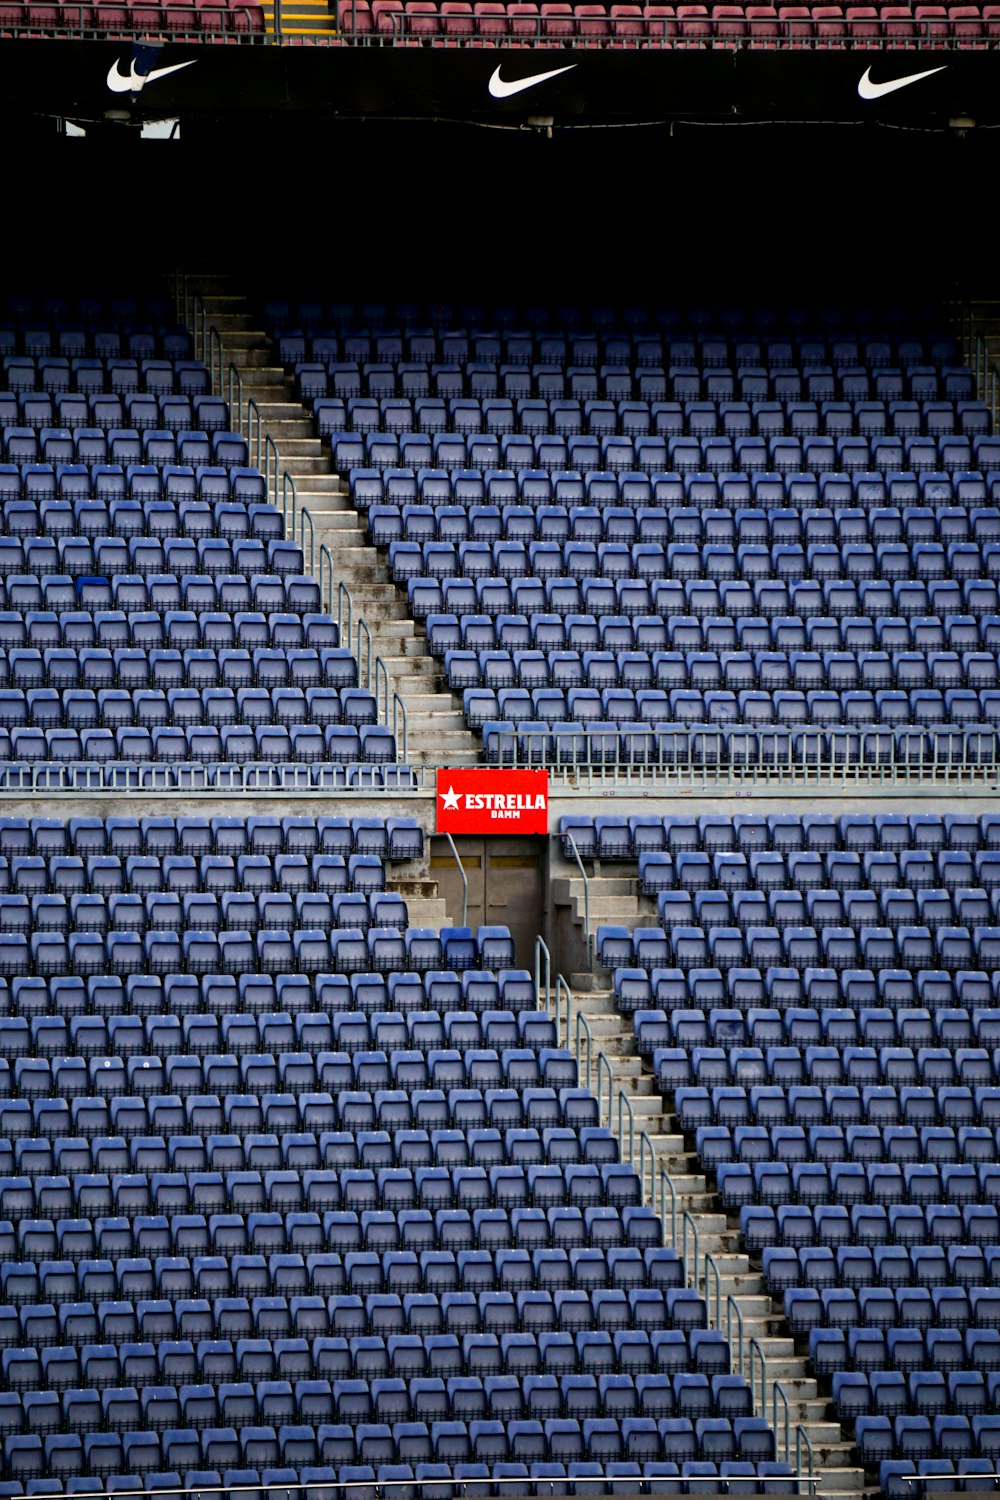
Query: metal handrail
pixel 586 901
pixel 345 610
pixel 690 1267
pixel 363 633
pixel 604 1065
pixel 465 879
pixel 381 678
pixel 304 516
pixel 399 707
pixel 234 396
pixel 326 556
pixel 712 1265
pixel 757 1356
pixel 625 1106
pixel 667 1189
pixel 802 1440
pixel 778 1393
pixel 542 950
pixel 288 482
pixel 562 990
pixel 584 1034
pixel 733 1306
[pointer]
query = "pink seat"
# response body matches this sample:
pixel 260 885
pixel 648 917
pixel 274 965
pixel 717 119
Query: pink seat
pixel 898 26
pixel 796 23
pixel 693 24
pixel 991 21
pixel 11 14
pixel 422 18
pixel 627 24
pixel 762 25
pixel 932 22
pixel 457 18
pixel 661 23
pixel 355 18
pixel 966 24
pixel 180 15
pixel 384 15
pixel 525 21
pixel 558 22
pixel 829 25
pixel 592 23
pixel 41 15
pixel 212 14
pixel 491 19
pixel 729 22
pixel 862 23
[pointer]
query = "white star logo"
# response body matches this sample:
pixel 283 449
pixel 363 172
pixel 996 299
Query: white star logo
pixel 451 800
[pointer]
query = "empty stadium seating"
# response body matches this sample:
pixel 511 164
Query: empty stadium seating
pixel 656 541
pixel 152 609
pixel 271 1214
pixel 820 1002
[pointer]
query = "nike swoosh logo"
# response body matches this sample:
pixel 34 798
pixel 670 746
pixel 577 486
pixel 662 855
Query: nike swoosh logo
pixel 501 90
pixel 133 82
pixel 869 90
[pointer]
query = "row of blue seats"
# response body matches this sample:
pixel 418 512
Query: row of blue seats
pixel 121 837
pixel 112 708
pixel 860 1266
pixel 709 881
pixel 610 834
pixel 145 776
pixel 832 600
pixel 96 337
pixel 143 555
pixel 859 1143
pixel 109 1075
pixel 445 1481
pixel 140 442
pixel 584 561
pixel 446 1442
pixel 288 1008
pixel 645 669
pixel 270 951
pixel 608 345
pixel 136 593
pixel 601 490
pixel 790 1066
pixel 886 1307
pixel 487 379
pixel 168 1114
pixel 172 667
pixel 897 907
pixel 37 875
pixel 854 413
pixel 925 1392
pixel 835 1104
pixel 762 1226
pixel 232 911
pixel 878 1006
pixel 645 454
pixel 791 708
pixel 870 947
pixel 62 630
pixel 306 1151
pixel 234 743
pixel 97 499
pixel 706 747
pixel 347 1232
pixel 952 1438
pixel 122 373
pixel 196 503
pixel 536 517
pixel 748 1021
pixel 470 1397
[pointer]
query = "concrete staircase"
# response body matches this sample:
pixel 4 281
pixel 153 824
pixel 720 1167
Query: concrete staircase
pixel 614 897
pixel 305 18
pixel 437 733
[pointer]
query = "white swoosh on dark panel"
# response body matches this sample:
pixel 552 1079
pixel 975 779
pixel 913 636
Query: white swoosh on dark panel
pixel 501 90
pixel 133 82
pixel 869 90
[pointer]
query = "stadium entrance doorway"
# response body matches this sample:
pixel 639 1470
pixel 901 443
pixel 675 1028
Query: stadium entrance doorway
pixel 506 886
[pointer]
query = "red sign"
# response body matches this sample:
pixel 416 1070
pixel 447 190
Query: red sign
pixel 475 801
